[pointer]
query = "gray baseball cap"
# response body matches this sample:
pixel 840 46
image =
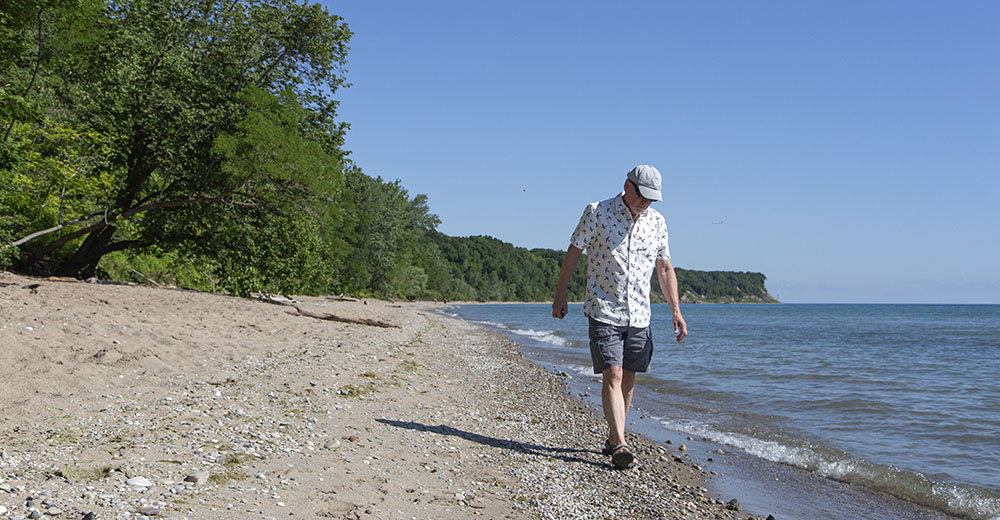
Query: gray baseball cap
pixel 647 179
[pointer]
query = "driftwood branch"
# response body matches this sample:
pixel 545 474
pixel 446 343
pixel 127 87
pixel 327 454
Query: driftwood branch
pixel 144 277
pixel 360 321
pixel 273 299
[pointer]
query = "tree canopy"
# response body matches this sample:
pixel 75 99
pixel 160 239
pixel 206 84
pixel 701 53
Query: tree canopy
pixel 195 127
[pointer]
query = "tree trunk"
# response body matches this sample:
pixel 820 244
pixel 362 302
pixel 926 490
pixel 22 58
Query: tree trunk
pixel 83 264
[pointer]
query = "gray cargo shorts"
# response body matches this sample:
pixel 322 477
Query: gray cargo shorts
pixel 620 345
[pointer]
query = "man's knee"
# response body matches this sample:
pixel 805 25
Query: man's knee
pixel 628 379
pixel 613 375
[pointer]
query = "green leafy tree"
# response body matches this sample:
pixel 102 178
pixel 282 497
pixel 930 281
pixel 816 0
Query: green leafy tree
pixel 218 132
pixel 382 227
pixel 49 169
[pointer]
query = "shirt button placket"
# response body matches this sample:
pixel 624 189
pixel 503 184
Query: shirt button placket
pixel 628 276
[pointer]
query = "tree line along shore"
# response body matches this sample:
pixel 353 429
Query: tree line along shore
pixel 197 144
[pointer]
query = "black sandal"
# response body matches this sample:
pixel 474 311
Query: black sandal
pixel 609 448
pixel 622 457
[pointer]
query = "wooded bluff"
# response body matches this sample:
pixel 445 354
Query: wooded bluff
pixel 487 269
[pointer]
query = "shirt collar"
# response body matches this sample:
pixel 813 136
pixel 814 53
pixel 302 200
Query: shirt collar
pixel 622 208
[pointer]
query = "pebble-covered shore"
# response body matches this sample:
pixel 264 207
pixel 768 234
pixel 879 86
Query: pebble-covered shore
pixel 129 402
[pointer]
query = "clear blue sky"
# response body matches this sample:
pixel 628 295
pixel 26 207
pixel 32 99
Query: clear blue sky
pixel 851 150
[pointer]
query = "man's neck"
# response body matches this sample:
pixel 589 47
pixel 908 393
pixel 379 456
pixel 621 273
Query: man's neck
pixel 624 198
pixel 635 215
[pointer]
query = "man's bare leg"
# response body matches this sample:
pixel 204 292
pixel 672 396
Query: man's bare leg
pixel 616 398
pixel 628 382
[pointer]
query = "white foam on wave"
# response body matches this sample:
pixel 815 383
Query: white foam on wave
pixel 842 468
pixel 583 370
pixel 765 449
pixel 545 336
pixel 492 324
pixel 962 500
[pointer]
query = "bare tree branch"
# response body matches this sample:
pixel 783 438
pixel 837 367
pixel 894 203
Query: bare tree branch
pixel 52 229
pixel 56 244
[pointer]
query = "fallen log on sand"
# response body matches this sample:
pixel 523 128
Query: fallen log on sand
pixel 357 321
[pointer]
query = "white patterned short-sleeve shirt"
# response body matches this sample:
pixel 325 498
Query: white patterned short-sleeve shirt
pixel 621 257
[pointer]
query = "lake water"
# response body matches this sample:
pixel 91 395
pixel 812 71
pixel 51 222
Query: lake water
pixel 904 399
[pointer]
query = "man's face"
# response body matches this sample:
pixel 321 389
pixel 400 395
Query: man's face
pixel 636 203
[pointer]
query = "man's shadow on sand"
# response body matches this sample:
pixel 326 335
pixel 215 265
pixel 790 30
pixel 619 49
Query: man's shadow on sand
pixel 521 447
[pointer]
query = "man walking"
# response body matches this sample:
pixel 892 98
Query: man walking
pixel 624 240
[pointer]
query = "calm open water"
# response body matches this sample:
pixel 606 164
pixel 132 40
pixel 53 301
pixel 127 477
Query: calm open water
pixel 899 398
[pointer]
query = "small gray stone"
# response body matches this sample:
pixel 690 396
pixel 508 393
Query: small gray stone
pixel 733 505
pixel 332 444
pixel 138 482
pixel 149 511
pixel 53 511
pixel 198 477
pixel 34 514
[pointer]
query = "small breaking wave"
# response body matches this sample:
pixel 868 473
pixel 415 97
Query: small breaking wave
pixel 493 324
pixel 969 501
pixel 545 336
pixel 583 370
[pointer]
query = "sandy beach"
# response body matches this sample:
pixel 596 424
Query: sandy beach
pixel 135 402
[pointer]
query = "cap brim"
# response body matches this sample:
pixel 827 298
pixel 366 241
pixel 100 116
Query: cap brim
pixel 649 193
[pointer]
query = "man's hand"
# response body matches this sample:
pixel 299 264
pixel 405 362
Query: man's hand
pixel 680 327
pixel 559 307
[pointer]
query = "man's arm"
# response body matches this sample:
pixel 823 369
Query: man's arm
pixel 565 273
pixel 668 286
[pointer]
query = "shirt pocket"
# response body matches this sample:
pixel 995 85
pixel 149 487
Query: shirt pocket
pixel 645 256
